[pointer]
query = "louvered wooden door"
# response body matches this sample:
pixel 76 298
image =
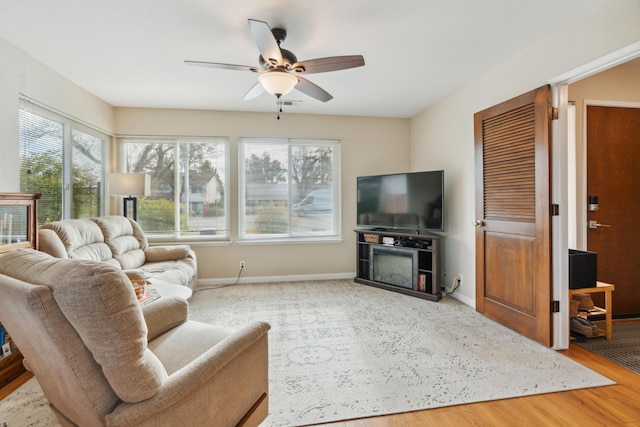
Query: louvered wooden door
pixel 513 228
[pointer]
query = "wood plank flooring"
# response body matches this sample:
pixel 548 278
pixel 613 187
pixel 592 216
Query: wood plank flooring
pixel 13 385
pixel 616 405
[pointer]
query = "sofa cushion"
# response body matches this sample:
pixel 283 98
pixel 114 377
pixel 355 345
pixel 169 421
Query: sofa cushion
pixel 98 300
pixel 178 272
pixel 125 243
pixel 81 238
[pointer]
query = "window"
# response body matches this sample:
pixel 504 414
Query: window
pixel 188 186
pixel 289 189
pixel 62 159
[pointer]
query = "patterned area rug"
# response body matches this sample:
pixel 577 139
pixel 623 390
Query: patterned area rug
pixel 622 348
pixel 340 350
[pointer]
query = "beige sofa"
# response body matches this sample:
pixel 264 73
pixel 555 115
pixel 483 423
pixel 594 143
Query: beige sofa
pixel 119 241
pixel 100 361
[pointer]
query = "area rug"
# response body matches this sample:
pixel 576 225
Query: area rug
pixel 340 350
pixel 622 348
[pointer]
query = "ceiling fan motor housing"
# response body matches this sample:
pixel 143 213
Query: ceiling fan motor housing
pixel 288 57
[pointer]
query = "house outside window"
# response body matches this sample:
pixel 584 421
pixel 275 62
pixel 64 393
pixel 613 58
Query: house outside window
pixel 189 179
pixel 289 189
pixel 62 159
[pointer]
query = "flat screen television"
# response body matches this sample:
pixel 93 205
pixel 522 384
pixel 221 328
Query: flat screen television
pixel 403 201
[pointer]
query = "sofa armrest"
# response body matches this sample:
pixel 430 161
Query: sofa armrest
pixel 166 253
pixel 246 350
pixel 49 242
pixel 164 314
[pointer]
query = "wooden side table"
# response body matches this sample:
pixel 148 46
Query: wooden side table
pixel 607 288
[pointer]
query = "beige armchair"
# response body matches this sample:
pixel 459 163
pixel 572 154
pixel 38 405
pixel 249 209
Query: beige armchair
pixel 101 361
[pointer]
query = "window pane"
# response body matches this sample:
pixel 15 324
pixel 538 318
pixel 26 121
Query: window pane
pixel 266 189
pixel 41 144
pixel 86 175
pixel 289 188
pixel 312 172
pixel 156 213
pixel 188 196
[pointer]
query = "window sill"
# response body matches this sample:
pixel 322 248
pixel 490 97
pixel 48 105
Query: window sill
pixel 157 241
pixel 291 241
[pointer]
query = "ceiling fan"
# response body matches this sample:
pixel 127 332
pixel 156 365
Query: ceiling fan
pixel 279 68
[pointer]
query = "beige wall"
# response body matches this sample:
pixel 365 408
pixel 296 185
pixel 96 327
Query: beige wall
pixel 368 146
pixel 617 86
pixel 442 136
pixel 21 74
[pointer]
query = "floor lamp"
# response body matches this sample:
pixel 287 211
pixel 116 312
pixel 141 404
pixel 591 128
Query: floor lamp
pixel 129 185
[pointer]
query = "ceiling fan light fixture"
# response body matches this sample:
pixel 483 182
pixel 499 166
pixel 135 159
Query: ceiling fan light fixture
pixel 277 83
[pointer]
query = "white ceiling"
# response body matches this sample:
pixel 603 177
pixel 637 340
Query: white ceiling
pixel 131 52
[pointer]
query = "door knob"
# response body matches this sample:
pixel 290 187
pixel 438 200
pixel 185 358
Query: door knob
pixel 594 224
pixel 477 223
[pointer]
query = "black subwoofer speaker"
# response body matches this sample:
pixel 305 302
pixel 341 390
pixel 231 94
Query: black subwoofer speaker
pixel 583 269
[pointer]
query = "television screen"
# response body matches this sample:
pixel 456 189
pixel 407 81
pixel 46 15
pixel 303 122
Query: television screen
pixel 405 201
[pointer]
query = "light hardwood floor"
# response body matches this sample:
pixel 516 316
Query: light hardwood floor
pixel 616 405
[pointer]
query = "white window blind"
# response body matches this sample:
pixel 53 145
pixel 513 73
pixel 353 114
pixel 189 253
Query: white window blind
pixel 62 159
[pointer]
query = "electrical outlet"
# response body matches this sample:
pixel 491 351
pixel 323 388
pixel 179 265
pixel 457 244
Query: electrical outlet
pixel 6 349
pixel 242 265
pixel 459 279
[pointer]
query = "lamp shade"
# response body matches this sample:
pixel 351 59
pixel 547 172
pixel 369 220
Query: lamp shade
pixel 277 83
pixel 129 184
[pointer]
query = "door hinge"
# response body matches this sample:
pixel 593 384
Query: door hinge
pixel 554 113
pixel 555 306
pixel 555 209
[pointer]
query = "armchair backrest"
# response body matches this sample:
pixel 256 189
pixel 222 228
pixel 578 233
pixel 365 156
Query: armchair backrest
pixel 82 332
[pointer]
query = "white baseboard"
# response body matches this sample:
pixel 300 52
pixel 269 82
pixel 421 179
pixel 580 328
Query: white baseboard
pixel 465 300
pixel 214 283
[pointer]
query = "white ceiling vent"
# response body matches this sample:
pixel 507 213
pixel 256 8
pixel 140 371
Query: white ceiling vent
pixel 289 103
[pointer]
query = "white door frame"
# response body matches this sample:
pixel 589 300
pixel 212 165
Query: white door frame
pixel 559 240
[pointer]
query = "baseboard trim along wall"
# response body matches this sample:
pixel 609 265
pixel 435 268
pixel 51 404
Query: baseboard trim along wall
pixel 225 281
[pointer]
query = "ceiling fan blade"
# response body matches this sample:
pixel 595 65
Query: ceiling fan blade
pixel 254 92
pixel 267 44
pixel 332 63
pixel 312 89
pixel 224 66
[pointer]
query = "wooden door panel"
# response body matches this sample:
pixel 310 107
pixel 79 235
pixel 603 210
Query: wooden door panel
pixel 509 265
pixel 513 238
pixel 613 174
